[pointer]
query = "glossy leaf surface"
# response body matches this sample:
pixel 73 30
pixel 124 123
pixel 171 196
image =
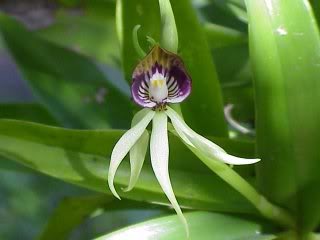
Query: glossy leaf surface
pixel 203 225
pixel 285 50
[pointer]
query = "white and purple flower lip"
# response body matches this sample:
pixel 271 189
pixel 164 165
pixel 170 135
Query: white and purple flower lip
pixel 160 78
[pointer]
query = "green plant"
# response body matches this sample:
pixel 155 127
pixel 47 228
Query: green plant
pixel 276 87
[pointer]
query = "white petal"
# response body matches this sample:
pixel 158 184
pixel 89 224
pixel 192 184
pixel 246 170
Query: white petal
pixel 123 146
pixel 202 144
pixel 159 150
pixel 139 115
pixel 137 157
pixel 138 151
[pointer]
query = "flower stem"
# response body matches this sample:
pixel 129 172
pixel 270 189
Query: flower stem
pixel 266 208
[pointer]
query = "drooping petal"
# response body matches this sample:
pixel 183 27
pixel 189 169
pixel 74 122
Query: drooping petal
pixel 165 66
pixel 123 146
pixel 138 151
pixel 207 147
pixel 159 150
pixel 137 156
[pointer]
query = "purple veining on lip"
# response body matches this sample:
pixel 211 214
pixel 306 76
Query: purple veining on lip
pixel 137 83
pixel 171 67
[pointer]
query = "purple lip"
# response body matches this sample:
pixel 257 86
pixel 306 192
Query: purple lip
pixel 171 67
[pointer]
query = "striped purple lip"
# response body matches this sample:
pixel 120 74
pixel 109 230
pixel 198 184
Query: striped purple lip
pixel 160 78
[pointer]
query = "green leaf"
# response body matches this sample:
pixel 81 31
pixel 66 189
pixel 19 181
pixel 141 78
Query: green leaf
pixel 203 225
pixel 285 50
pixel 82 157
pixel 29 112
pixel 316 9
pixel 227 13
pixel 235 8
pixel 68 84
pixel 220 36
pixel 294 235
pixel 203 109
pixel 233 65
pixel 7 165
pixel 73 211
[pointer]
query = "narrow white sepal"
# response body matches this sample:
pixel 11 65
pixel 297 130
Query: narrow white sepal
pixel 138 151
pixel 202 144
pixel 139 115
pixel 159 150
pixel 123 146
pixel 137 156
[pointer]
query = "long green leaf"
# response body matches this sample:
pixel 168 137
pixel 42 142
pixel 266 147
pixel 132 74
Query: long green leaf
pixel 285 50
pixel 234 8
pixel 27 112
pixel 220 36
pixel 316 9
pixel 68 84
pixel 203 225
pixel 7 165
pixel 82 157
pixel 225 13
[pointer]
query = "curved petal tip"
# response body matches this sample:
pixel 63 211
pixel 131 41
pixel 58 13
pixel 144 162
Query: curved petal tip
pixel 230 159
pixel 123 146
pixel 159 150
pixel 112 188
pixel 209 149
pixel 126 189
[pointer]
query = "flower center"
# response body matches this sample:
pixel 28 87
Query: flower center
pixel 158 90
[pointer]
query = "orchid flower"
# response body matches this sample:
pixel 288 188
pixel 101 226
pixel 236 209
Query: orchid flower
pixel 159 80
